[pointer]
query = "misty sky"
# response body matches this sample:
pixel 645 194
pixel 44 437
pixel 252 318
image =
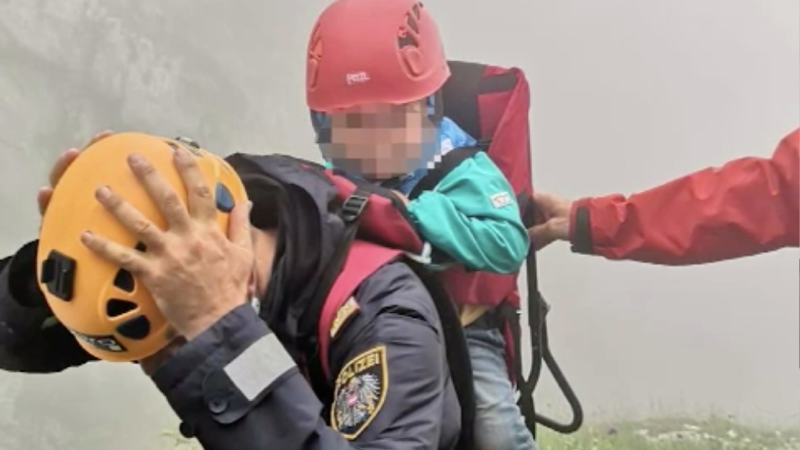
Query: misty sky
pixel 626 94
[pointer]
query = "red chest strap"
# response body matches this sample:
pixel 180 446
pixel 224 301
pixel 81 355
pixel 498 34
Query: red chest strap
pixel 362 260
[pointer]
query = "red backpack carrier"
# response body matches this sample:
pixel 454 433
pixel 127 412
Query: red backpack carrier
pixel 491 104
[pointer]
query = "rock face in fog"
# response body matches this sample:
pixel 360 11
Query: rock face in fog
pixel 70 68
pixel 80 64
pixel 73 67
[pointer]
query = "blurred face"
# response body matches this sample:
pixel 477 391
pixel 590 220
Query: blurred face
pixel 379 141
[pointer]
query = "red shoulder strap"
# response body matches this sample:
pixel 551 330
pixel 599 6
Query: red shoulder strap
pixel 362 260
pixel 384 219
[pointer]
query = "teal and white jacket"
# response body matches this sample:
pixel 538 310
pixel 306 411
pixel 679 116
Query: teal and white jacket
pixel 471 214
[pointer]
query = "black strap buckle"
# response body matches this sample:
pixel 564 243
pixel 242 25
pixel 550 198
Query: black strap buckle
pixel 58 274
pixel 353 206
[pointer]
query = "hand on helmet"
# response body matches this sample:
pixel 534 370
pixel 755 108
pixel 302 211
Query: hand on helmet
pixel 195 272
pixel 555 212
pixel 58 169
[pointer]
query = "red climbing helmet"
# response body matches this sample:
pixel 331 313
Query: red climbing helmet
pixel 373 51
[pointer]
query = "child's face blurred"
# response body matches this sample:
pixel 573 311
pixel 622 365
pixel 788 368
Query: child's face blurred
pixel 380 141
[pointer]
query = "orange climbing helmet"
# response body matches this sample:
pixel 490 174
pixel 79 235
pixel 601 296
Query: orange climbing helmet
pixel 369 52
pixel 110 313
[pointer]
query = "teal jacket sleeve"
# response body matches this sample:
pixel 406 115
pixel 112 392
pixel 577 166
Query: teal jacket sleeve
pixel 472 216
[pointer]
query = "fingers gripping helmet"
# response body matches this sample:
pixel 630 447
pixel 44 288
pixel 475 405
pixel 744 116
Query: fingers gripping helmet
pixel 368 51
pixel 110 313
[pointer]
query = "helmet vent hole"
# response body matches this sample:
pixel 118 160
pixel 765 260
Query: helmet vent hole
pixel 417 10
pixel 124 280
pixel 314 57
pixel 116 307
pixel 135 328
pixel 411 21
pixel 407 34
pixel 406 40
pixel 315 46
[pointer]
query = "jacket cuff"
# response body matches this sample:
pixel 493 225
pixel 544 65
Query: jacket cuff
pixel 224 371
pixel 580 227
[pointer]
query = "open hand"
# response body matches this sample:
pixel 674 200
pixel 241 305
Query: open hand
pixel 196 272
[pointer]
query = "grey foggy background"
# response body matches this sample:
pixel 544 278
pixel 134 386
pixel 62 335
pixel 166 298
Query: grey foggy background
pixel 627 94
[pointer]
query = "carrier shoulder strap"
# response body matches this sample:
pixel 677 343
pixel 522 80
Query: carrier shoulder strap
pixel 362 260
pixel 457 352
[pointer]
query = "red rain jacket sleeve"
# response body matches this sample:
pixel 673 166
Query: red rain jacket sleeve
pixel 748 206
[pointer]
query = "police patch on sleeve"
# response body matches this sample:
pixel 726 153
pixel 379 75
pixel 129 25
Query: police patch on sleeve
pixel 359 392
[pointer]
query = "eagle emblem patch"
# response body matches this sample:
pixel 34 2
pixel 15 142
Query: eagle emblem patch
pixel 360 392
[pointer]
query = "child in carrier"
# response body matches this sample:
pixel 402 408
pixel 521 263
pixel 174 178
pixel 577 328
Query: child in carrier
pixel 373 80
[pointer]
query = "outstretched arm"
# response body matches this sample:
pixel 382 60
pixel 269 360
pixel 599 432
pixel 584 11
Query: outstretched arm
pixel 748 206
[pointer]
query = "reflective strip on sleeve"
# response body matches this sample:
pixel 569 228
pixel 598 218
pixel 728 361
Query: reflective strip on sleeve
pixel 259 366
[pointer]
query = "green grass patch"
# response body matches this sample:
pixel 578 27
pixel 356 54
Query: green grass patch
pixel 653 434
pixel 672 434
